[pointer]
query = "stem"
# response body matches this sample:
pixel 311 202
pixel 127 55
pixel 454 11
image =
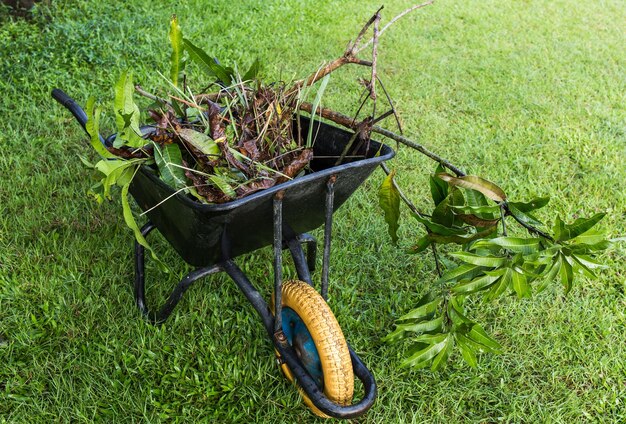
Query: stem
pixel 528 227
pixel 436 256
pixel 346 121
pixel 502 215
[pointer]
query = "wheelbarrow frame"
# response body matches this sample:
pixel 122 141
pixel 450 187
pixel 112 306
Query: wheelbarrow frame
pixel 149 191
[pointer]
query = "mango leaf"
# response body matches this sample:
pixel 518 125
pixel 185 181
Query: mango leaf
pixel 476 221
pixel 520 284
pixel 126 114
pixel 438 228
pixel 199 141
pixel 558 227
pixel 579 227
pixel 566 274
pixel 461 239
pixel 223 185
pixel 422 244
pixel 456 313
pixel 389 201
pixel 581 267
pixel 115 172
pixel 441 359
pixel 550 273
pixel 426 308
pixel 176 58
pixel 93 128
pixel 253 71
pixel 169 161
pixel 590 237
pixel 534 204
pixel 438 187
pixel 421 327
pixel 514 244
pixel 475 285
pixel 422 358
pixel 589 262
pixel 525 217
pixel 486 261
pixel 477 210
pixel 460 272
pixel 206 63
pixel 473 182
pixel 467 350
pixel 478 335
pixel 500 286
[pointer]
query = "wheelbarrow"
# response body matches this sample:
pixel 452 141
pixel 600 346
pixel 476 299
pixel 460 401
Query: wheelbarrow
pixel 309 344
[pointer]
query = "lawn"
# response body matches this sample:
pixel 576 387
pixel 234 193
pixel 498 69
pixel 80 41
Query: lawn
pixel 529 94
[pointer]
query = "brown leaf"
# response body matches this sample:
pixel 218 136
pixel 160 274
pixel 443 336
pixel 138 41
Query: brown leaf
pixel 292 169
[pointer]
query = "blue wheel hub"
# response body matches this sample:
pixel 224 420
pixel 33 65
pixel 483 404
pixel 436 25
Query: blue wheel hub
pixel 300 339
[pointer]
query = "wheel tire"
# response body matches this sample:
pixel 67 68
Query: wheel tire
pixel 338 377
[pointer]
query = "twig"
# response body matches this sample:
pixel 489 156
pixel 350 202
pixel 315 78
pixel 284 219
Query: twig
pixel 393 107
pixel 352 48
pixel 409 10
pixel 374 61
pixel 150 96
pixel 502 219
pixel 436 256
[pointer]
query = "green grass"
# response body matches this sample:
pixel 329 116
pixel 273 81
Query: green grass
pixel 528 94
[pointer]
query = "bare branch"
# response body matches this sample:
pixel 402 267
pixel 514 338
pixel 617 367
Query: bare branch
pixel 409 10
pixel 351 49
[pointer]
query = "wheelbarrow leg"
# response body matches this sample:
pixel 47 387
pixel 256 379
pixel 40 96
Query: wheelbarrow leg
pixel 177 294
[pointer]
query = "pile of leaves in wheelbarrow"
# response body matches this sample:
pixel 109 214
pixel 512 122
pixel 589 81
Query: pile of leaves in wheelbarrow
pixel 235 136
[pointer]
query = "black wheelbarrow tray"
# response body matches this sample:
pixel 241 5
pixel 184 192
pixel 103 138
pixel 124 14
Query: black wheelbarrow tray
pixel 210 236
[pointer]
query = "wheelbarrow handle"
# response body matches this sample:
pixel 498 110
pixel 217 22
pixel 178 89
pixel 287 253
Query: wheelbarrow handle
pixel 78 112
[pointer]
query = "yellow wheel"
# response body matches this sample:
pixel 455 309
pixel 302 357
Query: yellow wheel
pixel 313 331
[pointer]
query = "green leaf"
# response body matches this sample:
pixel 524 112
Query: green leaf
pixel 422 244
pixel 486 261
pixel 126 114
pixel 169 161
pixel 425 310
pixel 421 327
pixel 438 187
pixel 115 171
pixel 93 128
pixel 520 284
pixel 430 338
pixel 579 227
pixel 206 63
pixel 467 350
pixel 481 283
pixel 477 210
pixel 316 103
pixel 500 286
pixel 461 239
pixel 525 217
pixel 550 273
pixel 422 357
pixel 176 58
pixel 582 267
pixel 389 201
pixel 199 141
pixel 590 237
pixel 514 244
pixel 438 228
pixel 132 224
pixel 253 71
pixel 589 262
pixel 441 359
pixel 473 182
pixel 479 335
pixel 460 272
pixel 223 186
pixel 476 221
pixel 456 313
pixel 567 276
pixel 534 204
